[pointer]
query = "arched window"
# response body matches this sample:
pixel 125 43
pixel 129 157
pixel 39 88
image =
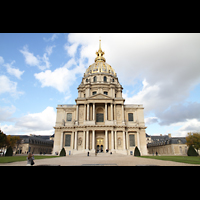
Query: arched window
pixel 95 79
pixel 105 79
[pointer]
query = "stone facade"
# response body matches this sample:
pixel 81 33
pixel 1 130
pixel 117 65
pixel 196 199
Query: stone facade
pixel 34 144
pixel 166 145
pixel 100 120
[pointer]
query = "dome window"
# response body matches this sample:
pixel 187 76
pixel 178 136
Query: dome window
pixel 95 79
pixel 105 79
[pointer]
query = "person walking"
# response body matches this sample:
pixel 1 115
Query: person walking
pixel 30 159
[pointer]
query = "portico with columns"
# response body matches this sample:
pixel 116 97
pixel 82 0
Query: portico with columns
pixel 100 121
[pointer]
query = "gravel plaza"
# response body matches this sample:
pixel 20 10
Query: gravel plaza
pixel 102 159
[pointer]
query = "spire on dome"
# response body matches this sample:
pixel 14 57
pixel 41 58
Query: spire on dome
pixel 100 54
pixel 99 44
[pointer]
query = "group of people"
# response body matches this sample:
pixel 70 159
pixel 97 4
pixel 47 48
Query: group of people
pixel 88 153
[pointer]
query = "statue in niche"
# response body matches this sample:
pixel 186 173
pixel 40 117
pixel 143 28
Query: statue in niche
pixel 119 141
pixel 118 115
pixel 81 114
pixel 79 141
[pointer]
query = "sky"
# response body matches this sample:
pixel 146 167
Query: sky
pixel 38 71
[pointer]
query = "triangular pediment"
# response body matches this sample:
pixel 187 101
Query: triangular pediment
pixel 99 96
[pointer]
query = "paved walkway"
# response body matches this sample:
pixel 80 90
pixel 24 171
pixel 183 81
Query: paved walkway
pixel 99 160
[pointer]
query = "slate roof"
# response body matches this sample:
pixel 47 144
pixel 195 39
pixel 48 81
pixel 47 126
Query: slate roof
pixel 39 140
pixel 165 140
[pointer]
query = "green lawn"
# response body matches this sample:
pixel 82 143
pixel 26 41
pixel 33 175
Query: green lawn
pixel 183 159
pixel 9 159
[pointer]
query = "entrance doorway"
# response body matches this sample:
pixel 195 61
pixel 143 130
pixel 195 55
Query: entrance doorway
pixel 100 143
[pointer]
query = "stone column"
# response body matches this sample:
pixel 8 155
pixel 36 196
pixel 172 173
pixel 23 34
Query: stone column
pixel 87 140
pixel 124 141
pixel 138 141
pixel 72 140
pixel 75 141
pixel 106 138
pixel 84 118
pixel 83 140
pixel 111 110
pixel 112 141
pixel 114 117
pixel 61 140
pixel 93 111
pixel 115 140
pixel 106 112
pixel 127 138
pixel 88 105
pixel 122 112
pixel 93 140
pixel 77 112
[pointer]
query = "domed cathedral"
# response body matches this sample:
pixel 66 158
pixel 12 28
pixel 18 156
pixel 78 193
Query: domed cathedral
pixel 100 121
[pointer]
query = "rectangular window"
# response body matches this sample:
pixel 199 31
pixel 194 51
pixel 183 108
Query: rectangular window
pixel 132 140
pixel 93 93
pixel 130 116
pixel 106 93
pixel 100 117
pixel 67 140
pixel 69 117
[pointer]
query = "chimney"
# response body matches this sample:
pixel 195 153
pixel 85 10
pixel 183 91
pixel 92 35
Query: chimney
pixel 169 135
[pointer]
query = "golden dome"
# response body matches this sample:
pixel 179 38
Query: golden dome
pixel 100 65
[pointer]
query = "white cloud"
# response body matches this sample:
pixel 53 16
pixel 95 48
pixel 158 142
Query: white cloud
pixel 13 71
pixel 6 112
pixel 49 49
pixel 1 60
pixel 37 123
pixel 9 86
pixel 71 50
pixel 191 125
pixel 52 38
pixel 150 120
pixel 147 96
pixel 41 62
pixel 61 78
pixel 180 113
pixel 30 59
pixel 44 59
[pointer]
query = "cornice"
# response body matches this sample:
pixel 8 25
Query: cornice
pixel 97 126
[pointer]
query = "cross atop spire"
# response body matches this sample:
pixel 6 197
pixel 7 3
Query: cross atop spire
pixel 99 44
